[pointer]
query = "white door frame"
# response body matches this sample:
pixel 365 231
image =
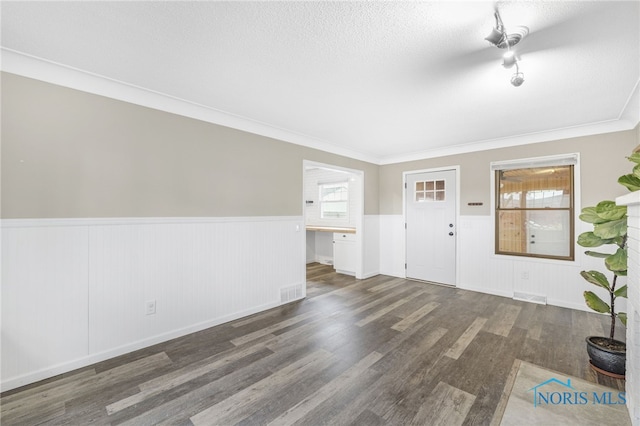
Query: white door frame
pixel 404 211
pixel 359 217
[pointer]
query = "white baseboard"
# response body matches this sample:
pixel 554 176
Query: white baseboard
pixel 141 344
pixel 486 291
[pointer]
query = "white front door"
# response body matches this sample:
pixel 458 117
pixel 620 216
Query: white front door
pixel 431 226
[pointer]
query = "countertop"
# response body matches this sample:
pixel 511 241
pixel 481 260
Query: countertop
pixel 331 229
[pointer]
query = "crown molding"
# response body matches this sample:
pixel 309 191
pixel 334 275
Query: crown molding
pixel 19 63
pixel 608 126
pixel 628 119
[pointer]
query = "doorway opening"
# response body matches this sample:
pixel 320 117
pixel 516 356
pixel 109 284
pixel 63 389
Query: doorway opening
pixel 333 209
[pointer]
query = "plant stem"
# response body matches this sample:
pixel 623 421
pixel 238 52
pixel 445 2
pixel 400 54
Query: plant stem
pixel 613 310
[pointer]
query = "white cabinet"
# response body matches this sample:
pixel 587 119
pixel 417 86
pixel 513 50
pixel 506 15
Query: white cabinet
pixel 344 253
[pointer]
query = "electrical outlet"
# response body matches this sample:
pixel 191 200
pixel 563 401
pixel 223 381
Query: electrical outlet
pixel 525 275
pixel 150 307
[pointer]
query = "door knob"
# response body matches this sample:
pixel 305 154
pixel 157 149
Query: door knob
pixel 451 225
pixel 451 233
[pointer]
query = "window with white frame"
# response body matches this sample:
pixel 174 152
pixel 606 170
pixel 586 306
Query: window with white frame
pixel 534 207
pixel 334 200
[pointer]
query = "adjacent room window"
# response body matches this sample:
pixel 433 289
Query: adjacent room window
pixel 534 213
pixel 334 200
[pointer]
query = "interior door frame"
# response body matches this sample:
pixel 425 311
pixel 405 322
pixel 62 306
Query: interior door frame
pixel 359 217
pixel 455 168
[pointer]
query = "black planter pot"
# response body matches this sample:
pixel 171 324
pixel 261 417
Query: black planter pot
pixel 606 359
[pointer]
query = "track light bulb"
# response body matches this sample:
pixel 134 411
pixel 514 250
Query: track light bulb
pixel 509 59
pixel 517 79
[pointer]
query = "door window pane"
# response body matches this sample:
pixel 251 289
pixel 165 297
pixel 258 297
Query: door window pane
pixel 430 190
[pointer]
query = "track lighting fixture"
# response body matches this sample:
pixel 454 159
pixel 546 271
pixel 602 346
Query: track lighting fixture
pixel 503 40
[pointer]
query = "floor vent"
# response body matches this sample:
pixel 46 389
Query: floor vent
pixel 287 294
pixel 528 297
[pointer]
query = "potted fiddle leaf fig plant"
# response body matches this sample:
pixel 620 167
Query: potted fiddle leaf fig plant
pixel 609 221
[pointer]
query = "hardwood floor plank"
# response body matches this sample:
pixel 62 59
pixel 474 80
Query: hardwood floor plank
pixel 178 407
pixel 374 300
pixel 347 404
pixel 502 320
pixel 178 377
pixel 502 404
pixel 39 401
pixel 386 285
pixel 381 312
pixel 447 406
pixel 46 386
pixel 415 316
pixel 268 330
pixel 303 407
pixel 43 412
pixel 469 334
pixel 423 352
pixel 233 409
pixel 368 418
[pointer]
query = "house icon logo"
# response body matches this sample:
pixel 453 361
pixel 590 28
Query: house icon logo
pixel 557 392
pixel 555 398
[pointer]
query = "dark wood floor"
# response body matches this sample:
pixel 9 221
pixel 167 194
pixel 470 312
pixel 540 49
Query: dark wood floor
pixel 378 351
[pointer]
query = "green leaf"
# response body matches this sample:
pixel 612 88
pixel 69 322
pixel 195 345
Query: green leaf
pixel 617 261
pixel 595 303
pixel 636 171
pixel 635 157
pixel 630 181
pixel 623 317
pixel 597 278
pixel 613 229
pixel 590 215
pixel 621 292
pixel 589 239
pixel 608 210
pixel 596 254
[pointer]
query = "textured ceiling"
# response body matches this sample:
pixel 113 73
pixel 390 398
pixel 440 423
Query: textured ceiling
pixel 382 81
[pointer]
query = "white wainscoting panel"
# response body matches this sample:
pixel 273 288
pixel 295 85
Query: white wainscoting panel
pixel 80 290
pixel 44 299
pixel 392 245
pixel 479 269
pixel 371 246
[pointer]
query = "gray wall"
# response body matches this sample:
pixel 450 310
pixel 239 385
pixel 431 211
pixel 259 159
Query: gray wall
pixel 69 154
pixel 602 159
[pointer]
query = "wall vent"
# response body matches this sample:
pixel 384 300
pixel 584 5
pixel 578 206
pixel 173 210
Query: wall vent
pixel 528 297
pixel 294 292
